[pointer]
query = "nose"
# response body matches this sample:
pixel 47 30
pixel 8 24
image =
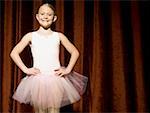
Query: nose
pixel 45 16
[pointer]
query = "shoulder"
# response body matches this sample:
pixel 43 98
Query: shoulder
pixel 27 36
pixel 61 36
pixel 64 40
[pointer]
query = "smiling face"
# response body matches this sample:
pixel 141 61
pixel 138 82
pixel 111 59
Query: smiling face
pixel 46 16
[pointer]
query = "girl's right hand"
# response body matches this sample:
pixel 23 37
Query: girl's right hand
pixel 32 71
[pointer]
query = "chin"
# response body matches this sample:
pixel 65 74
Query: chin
pixel 46 27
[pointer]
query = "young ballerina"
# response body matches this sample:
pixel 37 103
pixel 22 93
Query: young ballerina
pixel 47 86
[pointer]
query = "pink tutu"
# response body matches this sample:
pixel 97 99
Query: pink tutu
pixel 47 91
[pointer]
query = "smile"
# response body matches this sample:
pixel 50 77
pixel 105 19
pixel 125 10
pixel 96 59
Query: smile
pixel 45 20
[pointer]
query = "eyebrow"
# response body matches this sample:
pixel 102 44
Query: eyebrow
pixel 46 12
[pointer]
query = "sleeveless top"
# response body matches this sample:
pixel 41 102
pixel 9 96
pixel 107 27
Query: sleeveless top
pixel 45 52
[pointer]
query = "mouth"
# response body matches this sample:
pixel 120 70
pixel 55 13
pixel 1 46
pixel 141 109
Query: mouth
pixel 45 20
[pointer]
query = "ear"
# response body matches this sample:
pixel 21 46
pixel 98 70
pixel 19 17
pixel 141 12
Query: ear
pixel 37 17
pixel 55 18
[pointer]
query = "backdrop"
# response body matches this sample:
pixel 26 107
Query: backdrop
pixel 113 40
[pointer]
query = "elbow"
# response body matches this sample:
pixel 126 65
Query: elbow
pixel 77 53
pixel 13 53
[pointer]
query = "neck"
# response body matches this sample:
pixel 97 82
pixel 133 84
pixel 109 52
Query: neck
pixel 44 31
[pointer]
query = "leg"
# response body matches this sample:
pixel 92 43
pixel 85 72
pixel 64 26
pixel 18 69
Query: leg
pixel 56 110
pixel 39 110
pixel 53 110
pixel 42 111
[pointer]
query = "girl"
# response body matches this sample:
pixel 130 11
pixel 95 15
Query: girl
pixel 47 86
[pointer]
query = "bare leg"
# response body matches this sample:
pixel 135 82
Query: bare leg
pixel 38 110
pixel 53 110
pixel 42 111
pixel 57 110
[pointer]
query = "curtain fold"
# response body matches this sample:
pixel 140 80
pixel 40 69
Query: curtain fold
pixel 109 37
pixel 79 32
pixel 97 62
pixel 138 63
pixel 6 62
pixel 118 75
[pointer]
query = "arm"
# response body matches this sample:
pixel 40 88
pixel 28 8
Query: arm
pixel 72 50
pixel 18 49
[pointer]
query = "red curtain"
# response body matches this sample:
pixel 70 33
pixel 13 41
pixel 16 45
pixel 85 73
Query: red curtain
pixel 109 36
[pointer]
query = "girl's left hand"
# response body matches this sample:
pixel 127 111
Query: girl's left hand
pixel 61 71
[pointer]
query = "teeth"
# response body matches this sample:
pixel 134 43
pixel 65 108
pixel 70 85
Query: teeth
pixel 45 20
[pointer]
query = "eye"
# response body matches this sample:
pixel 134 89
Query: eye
pixel 41 13
pixel 50 14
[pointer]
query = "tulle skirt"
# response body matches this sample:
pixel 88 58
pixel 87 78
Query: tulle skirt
pixel 46 91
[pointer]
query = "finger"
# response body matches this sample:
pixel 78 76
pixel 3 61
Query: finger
pixel 60 74
pixel 57 73
pixel 37 69
pixel 36 72
pixel 56 70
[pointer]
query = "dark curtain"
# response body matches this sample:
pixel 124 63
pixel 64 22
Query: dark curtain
pixel 113 40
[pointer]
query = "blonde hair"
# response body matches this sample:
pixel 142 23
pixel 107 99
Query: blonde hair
pixel 50 6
